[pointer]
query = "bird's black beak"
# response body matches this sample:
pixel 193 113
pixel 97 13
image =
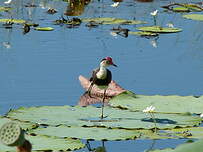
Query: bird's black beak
pixel 114 65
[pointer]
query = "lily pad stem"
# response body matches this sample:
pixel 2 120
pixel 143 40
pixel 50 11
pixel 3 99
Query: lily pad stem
pixel 153 117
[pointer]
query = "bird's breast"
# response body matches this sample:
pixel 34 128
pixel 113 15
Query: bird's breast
pixel 101 74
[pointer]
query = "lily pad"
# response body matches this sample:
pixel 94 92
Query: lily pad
pixel 45 143
pixel 181 9
pixel 198 17
pixel 44 28
pixel 90 116
pixel 95 133
pixel 99 133
pixel 163 104
pixel 159 29
pixel 143 33
pixel 187 147
pixel 3 9
pixel 17 21
pixel 108 20
pixel 192 132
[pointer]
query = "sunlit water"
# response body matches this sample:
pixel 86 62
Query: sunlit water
pixel 42 68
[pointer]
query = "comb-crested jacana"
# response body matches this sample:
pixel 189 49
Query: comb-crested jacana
pixel 101 77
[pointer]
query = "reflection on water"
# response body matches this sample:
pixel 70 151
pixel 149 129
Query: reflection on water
pixel 76 7
pixel 98 149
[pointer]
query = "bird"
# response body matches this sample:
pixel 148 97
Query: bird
pixel 101 77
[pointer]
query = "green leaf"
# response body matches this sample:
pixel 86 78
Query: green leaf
pixel 17 21
pixel 192 132
pixel 3 9
pixel 44 28
pixel 181 9
pixel 90 116
pixel 45 143
pixel 108 20
pixel 143 33
pixel 187 147
pixel 96 133
pixel 159 29
pixel 54 143
pixel 193 7
pixel 164 104
pixel 198 17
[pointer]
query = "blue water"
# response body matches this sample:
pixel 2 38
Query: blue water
pixel 42 68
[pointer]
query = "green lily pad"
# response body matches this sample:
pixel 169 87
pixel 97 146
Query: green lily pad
pixel 187 147
pixel 95 133
pixel 17 21
pixel 45 143
pixel 193 7
pixel 159 29
pixel 90 116
pixel 44 28
pixel 3 9
pixel 192 132
pixel 198 17
pixel 143 33
pixel 181 9
pixel 108 20
pixel 98 133
pixel 163 104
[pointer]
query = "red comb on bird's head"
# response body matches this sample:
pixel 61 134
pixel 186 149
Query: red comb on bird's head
pixel 110 60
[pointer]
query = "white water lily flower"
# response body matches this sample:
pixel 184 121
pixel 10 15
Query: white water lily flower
pixel 170 25
pixel 8 2
pixel 154 13
pixel 115 4
pixel 201 115
pixel 149 109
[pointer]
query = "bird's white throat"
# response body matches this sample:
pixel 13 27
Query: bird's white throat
pixel 102 73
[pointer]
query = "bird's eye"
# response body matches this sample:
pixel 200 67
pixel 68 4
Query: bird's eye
pixel 107 62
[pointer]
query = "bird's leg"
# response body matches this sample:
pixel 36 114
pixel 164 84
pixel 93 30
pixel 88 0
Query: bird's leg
pixel 89 89
pixel 102 115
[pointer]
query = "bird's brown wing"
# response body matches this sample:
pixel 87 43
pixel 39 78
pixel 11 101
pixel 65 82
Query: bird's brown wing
pixel 93 77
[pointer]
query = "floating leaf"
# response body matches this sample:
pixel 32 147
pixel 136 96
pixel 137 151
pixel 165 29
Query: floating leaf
pixel 96 133
pixel 193 7
pixel 198 17
pixel 109 20
pixel 44 28
pixel 4 9
pixel 17 21
pixel 143 33
pixel 90 116
pixel 159 29
pixel 181 9
pixel 45 143
pixel 193 132
pixel 164 104
pixel 187 147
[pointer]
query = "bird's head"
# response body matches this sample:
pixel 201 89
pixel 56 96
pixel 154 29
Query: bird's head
pixel 107 62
